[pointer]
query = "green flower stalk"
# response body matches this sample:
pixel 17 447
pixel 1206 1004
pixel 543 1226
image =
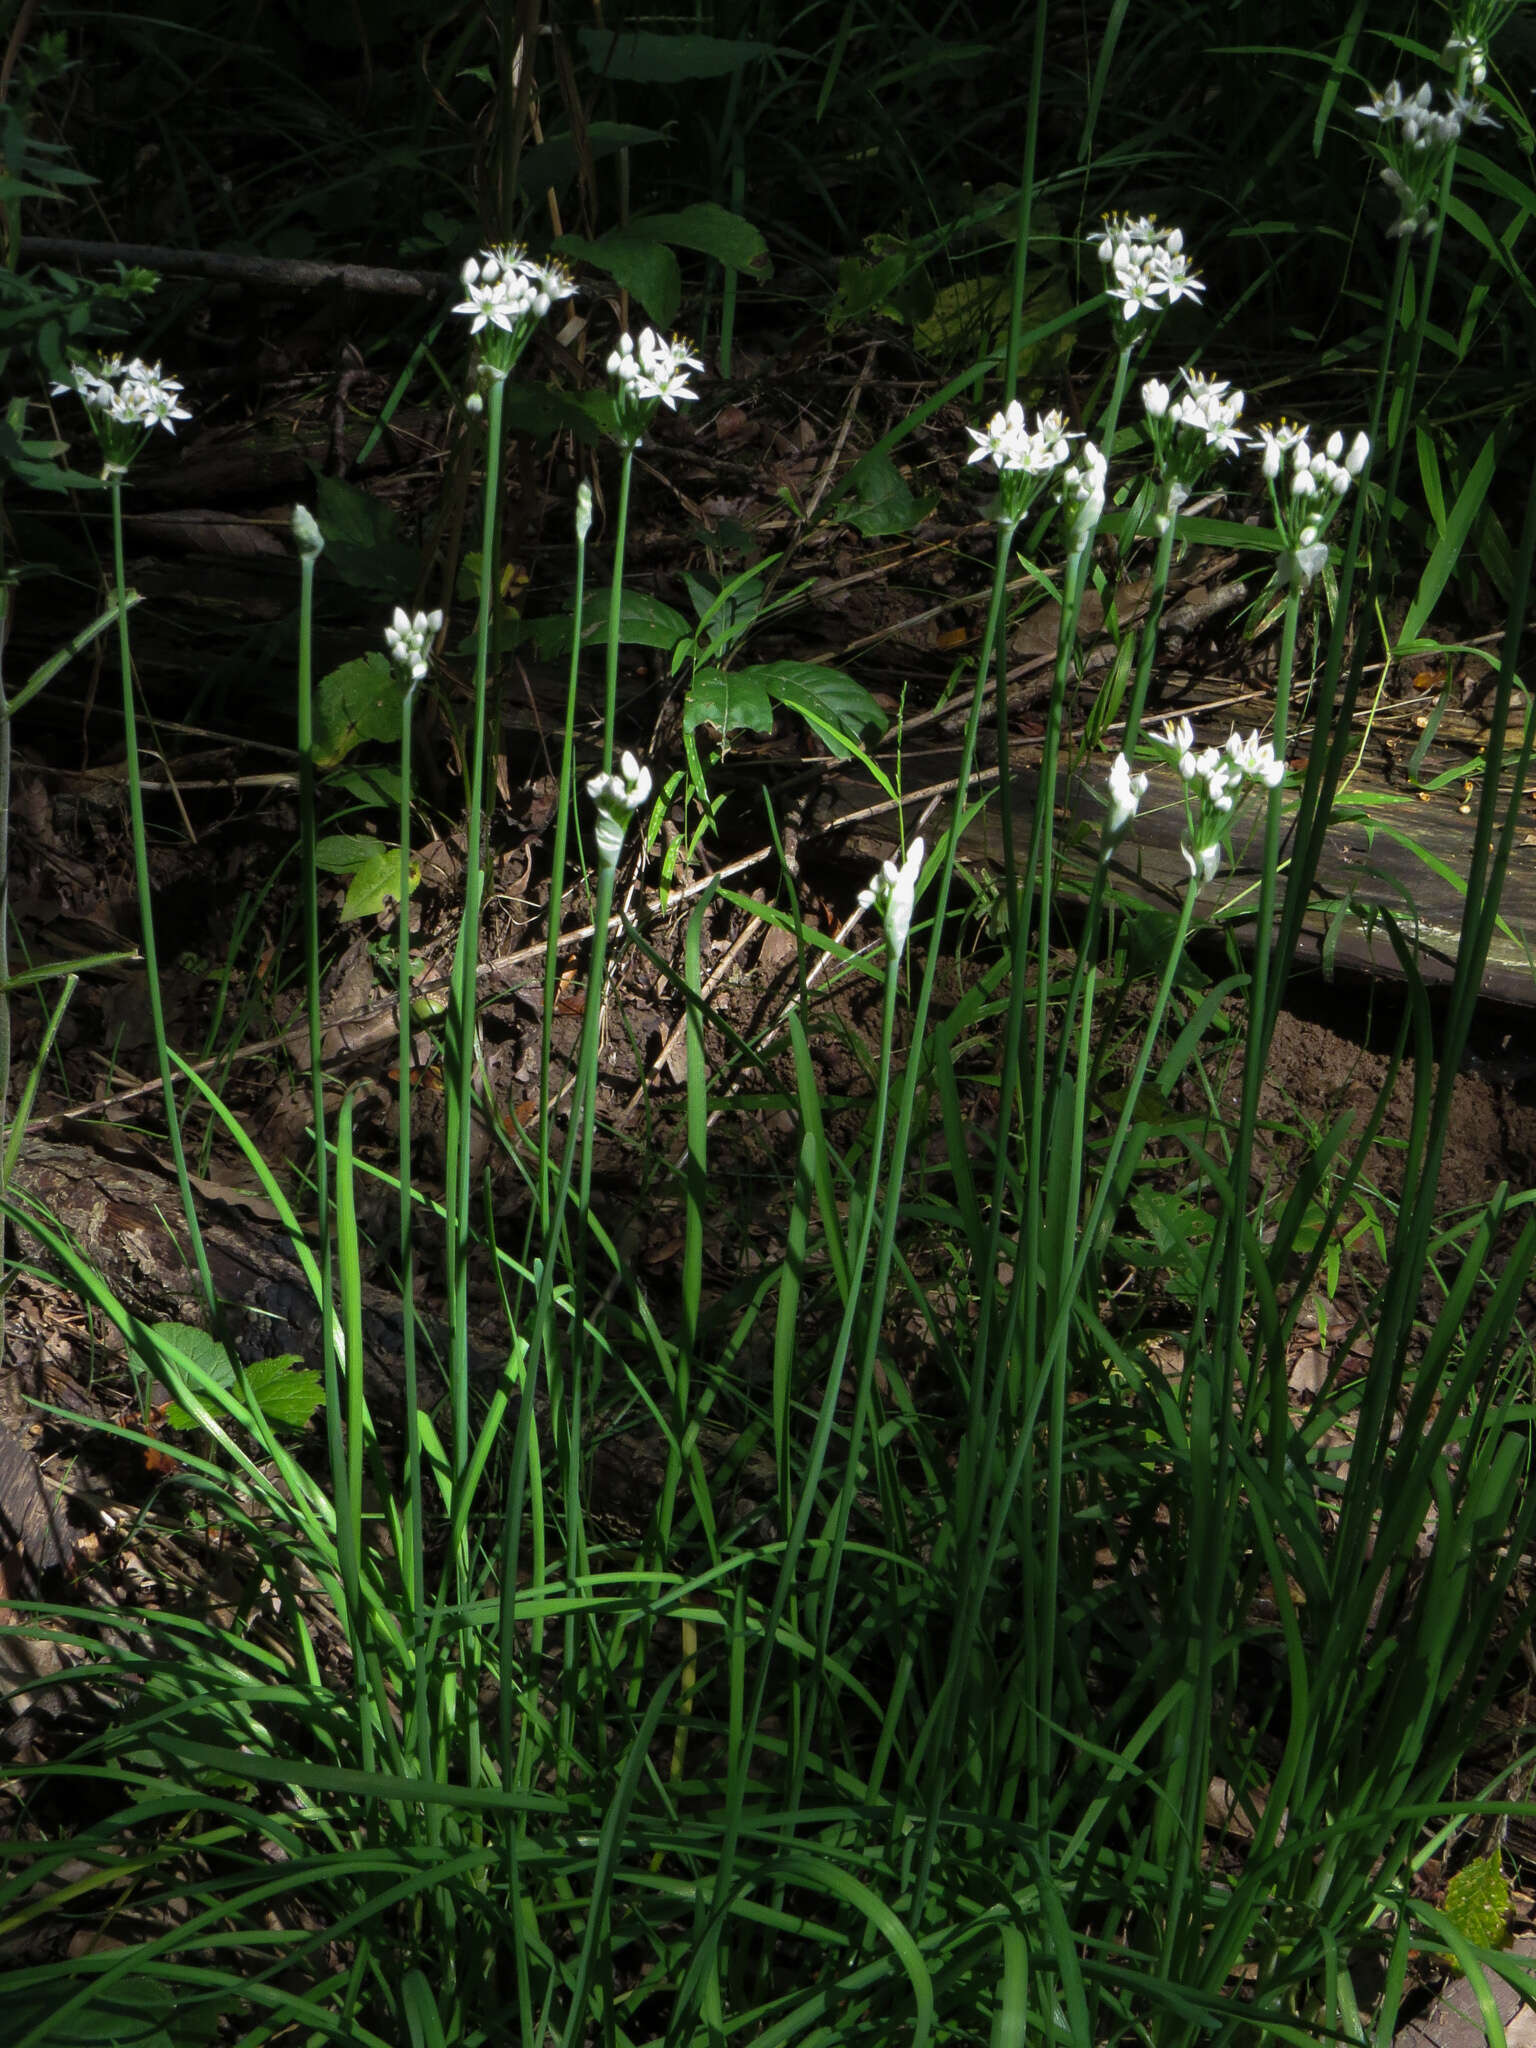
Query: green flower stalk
pixel 506 296
pixel 125 402
pixel 645 375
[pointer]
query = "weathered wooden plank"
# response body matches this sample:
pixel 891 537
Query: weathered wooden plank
pixel 1386 850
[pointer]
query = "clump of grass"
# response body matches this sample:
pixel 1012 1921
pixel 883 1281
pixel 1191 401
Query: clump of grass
pixel 1098 1701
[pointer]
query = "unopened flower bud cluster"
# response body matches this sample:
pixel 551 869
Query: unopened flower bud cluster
pixel 617 797
pixel 892 895
pixel 409 640
pixel 126 401
pixel 1414 141
pixel 1145 265
pixel 1082 496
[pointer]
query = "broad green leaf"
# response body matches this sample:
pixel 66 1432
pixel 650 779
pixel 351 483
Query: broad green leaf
pixel 540 410
pixel 200 1347
pixel 371 785
pixel 286 1395
pixel 1477 1903
pixel 883 501
pixel 639 264
pixel 713 231
pixel 826 695
pixel 362 546
pixel 375 883
pixel 358 701
pixel 343 853
pixel 647 57
pixel 556 159
pixel 644 621
pixel 732 702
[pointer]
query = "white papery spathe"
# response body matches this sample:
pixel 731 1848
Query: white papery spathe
pixel 617 797
pixel 893 895
pixel 1126 790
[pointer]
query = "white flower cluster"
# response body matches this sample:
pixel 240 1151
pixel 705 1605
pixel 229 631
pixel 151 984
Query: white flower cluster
pixel 1414 143
pixel 1187 431
pixel 653 369
pixel 647 373
pixel 1022 455
pixel 133 394
pixel 1208 407
pixel 617 798
pixel 506 288
pixel 507 294
pixel 893 896
pixel 125 402
pixel 1010 444
pixel 1215 781
pixel 1318 483
pixel 408 640
pixel 1146 265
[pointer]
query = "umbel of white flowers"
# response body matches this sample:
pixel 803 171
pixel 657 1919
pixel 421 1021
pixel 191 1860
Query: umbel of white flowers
pixel 506 295
pixel 1413 142
pixel 1216 780
pixel 1189 430
pixel 1145 267
pixel 1306 500
pixel 645 374
pixel 125 402
pixel 893 896
pixel 1022 456
pixel 617 798
pixel 408 640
